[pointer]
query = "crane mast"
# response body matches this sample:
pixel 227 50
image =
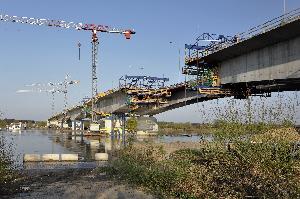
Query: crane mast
pixel 95 44
pixel 77 26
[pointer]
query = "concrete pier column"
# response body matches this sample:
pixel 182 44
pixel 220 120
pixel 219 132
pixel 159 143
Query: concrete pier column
pixel 81 125
pixel 81 136
pixel 117 122
pixel 74 125
pixel 123 129
pixel 112 118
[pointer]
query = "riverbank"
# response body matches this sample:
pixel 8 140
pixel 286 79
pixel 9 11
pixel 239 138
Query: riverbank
pixel 73 184
pixel 52 180
pixel 240 161
pixel 172 128
pixel 218 127
pixel 266 165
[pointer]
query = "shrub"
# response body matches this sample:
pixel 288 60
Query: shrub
pixel 238 170
pixel 7 171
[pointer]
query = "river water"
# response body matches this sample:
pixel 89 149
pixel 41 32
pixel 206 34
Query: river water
pixel 56 142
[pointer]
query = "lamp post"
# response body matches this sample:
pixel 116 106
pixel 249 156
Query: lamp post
pixel 179 61
pixel 284 7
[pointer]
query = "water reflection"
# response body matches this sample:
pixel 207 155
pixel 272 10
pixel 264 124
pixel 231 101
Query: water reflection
pixel 50 141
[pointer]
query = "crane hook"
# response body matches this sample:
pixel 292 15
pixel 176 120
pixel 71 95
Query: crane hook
pixel 79 45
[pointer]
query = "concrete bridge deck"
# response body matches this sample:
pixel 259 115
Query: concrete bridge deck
pixel 266 62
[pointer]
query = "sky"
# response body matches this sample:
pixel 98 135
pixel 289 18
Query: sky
pixel 31 54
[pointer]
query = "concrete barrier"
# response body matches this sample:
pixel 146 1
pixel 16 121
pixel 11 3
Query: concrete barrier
pixel 101 156
pixel 32 158
pixel 69 157
pixel 50 157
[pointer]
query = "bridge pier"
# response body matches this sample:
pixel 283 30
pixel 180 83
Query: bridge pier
pixel 77 125
pixel 117 124
pixel 51 123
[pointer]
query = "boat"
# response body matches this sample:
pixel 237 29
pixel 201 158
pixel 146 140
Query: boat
pixel 15 126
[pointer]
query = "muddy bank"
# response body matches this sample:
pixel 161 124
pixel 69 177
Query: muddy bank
pixel 73 183
pixel 171 147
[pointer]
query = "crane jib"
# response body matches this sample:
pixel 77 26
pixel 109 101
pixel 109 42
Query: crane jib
pixel 63 24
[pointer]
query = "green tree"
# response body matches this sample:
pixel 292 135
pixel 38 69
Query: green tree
pixel 132 125
pixel 3 123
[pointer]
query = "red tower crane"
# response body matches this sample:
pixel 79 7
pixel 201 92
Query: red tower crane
pixel 77 26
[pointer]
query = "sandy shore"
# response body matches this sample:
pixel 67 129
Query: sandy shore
pixel 75 183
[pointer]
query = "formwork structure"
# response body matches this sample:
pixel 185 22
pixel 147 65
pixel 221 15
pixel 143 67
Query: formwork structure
pixel 205 76
pixel 257 61
pixel 144 90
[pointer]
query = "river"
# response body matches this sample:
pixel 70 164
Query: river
pixel 56 142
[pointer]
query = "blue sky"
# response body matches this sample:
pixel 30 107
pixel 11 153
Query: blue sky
pixel 32 54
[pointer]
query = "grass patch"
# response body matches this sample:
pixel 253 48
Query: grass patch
pixel 269 169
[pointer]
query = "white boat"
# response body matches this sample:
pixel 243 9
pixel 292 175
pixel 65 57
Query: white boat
pixel 15 126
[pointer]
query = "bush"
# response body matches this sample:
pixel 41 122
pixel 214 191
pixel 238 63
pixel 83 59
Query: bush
pixel 131 125
pixel 232 130
pixel 241 169
pixel 7 171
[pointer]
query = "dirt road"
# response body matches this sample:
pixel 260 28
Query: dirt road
pixel 75 183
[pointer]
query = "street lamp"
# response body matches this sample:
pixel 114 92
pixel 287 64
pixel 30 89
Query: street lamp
pixel 179 74
pixel 179 61
pixel 284 7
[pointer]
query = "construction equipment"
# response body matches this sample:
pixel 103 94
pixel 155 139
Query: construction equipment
pixel 76 26
pixel 206 44
pixel 65 85
pixel 144 90
pixel 145 82
pixel 79 45
pixel 205 76
pixel 60 87
pixel 52 91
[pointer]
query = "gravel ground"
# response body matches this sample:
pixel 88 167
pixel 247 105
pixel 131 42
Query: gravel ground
pixel 74 183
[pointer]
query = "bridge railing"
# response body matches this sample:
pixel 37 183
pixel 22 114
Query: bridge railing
pixel 272 24
pixel 240 37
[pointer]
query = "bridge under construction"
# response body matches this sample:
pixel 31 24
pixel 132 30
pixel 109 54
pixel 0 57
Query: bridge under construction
pixel 260 61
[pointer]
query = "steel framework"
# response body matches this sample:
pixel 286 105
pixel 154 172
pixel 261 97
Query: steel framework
pixel 203 75
pixel 142 82
pixel 59 87
pixel 95 43
pixel 144 90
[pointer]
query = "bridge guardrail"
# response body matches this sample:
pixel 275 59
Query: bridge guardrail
pixel 252 32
